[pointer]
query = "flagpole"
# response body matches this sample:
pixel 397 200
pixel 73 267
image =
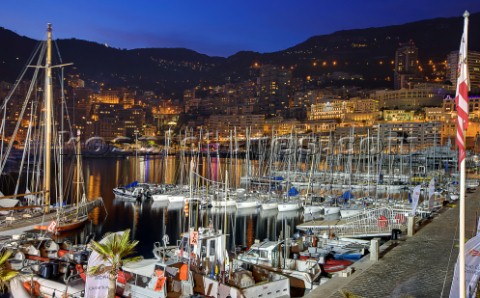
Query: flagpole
pixel 462 158
pixel 462 231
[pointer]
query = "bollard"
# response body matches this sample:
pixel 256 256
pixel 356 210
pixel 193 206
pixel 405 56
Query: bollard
pixel 395 233
pixel 411 226
pixel 374 249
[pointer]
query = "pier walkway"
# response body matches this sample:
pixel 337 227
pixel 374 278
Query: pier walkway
pixel 418 266
pixel 366 224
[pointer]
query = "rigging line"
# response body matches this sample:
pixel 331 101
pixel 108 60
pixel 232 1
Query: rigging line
pixel 63 101
pixel 35 148
pixel 25 151
pixel 81 178
pixel 58 51
pixel 40 46
pixel 24 106
pixel 57 160
pixel 2 130
pixel 209 180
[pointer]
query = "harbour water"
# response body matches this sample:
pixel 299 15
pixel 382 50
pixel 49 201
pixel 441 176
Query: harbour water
pixel 150 221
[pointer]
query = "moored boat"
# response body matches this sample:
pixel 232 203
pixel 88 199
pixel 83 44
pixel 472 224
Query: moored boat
pixel 268 254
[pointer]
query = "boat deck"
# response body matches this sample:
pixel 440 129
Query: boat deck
pixel 16 225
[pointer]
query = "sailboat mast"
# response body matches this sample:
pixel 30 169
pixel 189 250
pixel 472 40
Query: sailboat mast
pixel 48 117
pixel 78 169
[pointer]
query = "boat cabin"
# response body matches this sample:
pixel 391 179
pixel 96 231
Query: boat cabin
pixel 152 278
pixel 204 245
pixel 266 252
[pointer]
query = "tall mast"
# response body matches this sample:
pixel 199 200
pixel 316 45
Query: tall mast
pixel 48 118
pixel 78 169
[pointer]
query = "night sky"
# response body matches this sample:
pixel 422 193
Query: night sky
pixel 214 27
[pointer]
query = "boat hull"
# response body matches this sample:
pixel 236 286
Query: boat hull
pixel 246 204
pixel 333 265
pixel 313 209
pixel 270 206
pixel 64 227
pixel 289 206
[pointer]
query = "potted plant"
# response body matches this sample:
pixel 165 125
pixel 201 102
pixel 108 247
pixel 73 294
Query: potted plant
pixel 113 250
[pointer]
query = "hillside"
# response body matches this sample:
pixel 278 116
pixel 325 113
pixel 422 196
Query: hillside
pixel 364 52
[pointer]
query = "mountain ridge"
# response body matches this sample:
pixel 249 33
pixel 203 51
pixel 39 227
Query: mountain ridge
pixel 366 53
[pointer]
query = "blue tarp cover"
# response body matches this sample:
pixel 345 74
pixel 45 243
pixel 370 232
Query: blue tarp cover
pixel 133 184
pixel 293 192
pixel 347 195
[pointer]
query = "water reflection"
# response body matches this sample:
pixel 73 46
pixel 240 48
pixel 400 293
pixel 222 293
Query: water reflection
pixel 149 221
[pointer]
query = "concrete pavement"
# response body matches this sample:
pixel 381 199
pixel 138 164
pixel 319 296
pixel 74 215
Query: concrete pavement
pixel 418 266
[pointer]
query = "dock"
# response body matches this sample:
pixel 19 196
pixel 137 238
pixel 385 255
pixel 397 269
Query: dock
pixel 417 266
pixel 22 224
pixel 375 222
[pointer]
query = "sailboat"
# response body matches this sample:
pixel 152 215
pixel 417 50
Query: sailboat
pixel 36 132
pixel 77 217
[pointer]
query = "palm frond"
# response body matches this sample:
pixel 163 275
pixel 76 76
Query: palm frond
pixel 4 256
pixel 114 248
pixel 99 269
pixel 7 275
pixel 132 260
pixel 125 238
pixel 102 249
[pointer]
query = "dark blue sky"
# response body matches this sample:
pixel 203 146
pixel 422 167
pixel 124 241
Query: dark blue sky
pixel 214 27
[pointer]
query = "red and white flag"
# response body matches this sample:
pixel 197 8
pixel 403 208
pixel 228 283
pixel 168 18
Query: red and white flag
pixel 461 96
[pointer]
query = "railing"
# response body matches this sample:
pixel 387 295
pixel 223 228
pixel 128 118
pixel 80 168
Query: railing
pixel 379 221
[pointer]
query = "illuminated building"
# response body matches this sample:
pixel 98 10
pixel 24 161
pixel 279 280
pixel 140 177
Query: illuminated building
pixel 398 115
pixel 419 134
pixel 321 125
pixel 409 99
pixel 406 71
pixel 104 121
pixel 473 68
pixel 108 96
pixel 435 114
pixel 274 84
pixel 226 123
pixel 330 109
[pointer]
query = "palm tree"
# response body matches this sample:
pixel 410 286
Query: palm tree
pixel 113 250
pixel 6 274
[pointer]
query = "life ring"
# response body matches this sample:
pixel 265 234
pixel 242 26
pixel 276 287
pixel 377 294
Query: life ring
pixel 35 290
pixel 382 221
